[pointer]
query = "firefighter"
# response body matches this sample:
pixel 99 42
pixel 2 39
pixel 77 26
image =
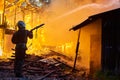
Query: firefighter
pixel 20 39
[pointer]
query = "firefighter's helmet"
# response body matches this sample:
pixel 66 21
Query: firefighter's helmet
pixel 21 24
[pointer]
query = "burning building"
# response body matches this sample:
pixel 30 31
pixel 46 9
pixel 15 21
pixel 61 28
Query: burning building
pixel 59 16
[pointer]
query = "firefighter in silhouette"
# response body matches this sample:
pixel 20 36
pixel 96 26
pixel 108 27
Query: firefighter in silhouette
pixel 20 39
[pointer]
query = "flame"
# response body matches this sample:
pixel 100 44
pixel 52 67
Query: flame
pixel 0 51
pixel 34 45
pixel 59 17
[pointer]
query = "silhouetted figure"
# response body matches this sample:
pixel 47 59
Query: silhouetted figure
pixel 20 39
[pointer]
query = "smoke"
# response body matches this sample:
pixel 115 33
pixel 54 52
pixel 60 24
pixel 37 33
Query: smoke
pixel 94 8
pixel 64 14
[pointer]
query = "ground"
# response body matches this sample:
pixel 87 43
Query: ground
pixel 41 68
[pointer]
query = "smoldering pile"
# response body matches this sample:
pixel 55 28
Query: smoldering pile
pixel 41 68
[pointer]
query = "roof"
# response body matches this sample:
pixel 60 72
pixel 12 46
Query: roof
pixel 94 18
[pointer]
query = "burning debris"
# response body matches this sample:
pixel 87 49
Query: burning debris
pixel 41 68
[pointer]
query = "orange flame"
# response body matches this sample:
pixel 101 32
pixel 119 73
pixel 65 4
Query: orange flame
pixel 0 51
